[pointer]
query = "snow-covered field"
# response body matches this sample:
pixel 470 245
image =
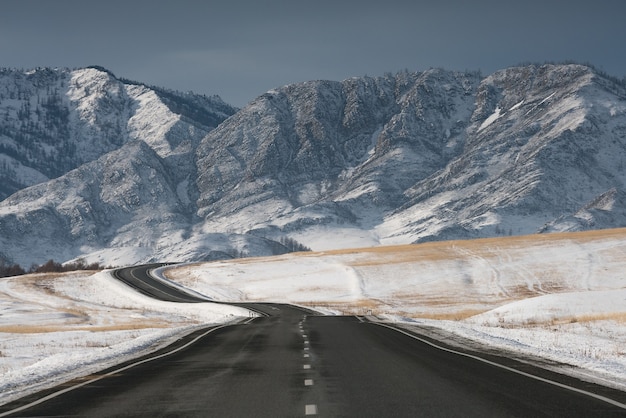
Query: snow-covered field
pixel 55 327
pixel 560 297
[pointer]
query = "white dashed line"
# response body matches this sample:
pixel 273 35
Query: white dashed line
pixel 310 409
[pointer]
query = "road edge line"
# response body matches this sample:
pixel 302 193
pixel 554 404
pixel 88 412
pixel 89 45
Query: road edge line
pixel 129 366
pixel 532 376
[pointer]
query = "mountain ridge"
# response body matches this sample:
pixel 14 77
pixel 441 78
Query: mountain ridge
pixel 54 120
pixel 401 158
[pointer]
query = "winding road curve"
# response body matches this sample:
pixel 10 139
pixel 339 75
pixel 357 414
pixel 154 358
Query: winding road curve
pixel 139 278
pixel 291 363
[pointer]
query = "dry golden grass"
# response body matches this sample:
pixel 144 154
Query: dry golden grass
pixel 433 251
pixel 613 316
pixel 357 304
pixel 42 282
pixel 451 316
pixel 40 329
pixel 357 307
pixel 380 309
pixel 455 306
pixel 588 319
pixel 522 291
pixel 430 301
pixel 451 250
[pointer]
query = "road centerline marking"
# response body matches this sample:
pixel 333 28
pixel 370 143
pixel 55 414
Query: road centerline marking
pixel 310 409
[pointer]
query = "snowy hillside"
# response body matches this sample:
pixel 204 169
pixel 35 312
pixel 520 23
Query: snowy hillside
pixel 401 158
pixel 57 327
pixel 557 299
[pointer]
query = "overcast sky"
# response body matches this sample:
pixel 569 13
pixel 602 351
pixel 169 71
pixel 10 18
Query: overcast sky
pixel 241 48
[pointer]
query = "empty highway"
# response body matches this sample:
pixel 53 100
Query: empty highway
pixel 291 363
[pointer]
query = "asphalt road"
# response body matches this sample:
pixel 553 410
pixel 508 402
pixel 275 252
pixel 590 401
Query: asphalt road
pixel 139 278
pixel 292 364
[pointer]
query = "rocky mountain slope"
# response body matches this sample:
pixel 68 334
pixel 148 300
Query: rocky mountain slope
pixel 400 158
pixel 54 120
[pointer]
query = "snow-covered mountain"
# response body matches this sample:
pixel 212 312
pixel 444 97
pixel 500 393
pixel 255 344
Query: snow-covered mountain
pixel 542 143
pixel 54 120
pixel 394 159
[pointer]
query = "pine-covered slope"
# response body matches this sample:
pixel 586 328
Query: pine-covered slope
pixel 54 120
pixel 394 159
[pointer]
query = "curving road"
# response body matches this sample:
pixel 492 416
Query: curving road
pixel 291 363
pixel 139 278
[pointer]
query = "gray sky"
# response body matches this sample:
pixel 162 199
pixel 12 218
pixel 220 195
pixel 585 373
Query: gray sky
pixel 241 48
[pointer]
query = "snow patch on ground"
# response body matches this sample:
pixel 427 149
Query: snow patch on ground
pixel 57 327
pixel 491 119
